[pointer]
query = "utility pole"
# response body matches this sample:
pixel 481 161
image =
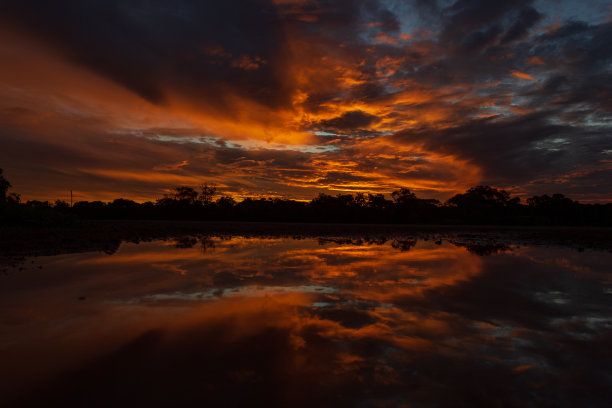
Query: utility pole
pixel 70 198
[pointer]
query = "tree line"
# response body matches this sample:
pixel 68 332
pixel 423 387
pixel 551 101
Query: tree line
pixel 478 205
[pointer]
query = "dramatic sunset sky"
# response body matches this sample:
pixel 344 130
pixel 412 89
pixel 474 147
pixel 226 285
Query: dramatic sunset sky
pixel 291 98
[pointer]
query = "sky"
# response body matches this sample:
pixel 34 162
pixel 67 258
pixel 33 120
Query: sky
pixel 292 98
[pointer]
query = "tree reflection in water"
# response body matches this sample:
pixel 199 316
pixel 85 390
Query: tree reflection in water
pixel 330 322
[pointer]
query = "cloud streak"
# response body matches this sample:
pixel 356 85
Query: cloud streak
pixel 293 98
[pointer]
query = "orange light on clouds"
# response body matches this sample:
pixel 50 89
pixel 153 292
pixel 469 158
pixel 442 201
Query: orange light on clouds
pixel 523 75
pixel 535 60
pixel 310 111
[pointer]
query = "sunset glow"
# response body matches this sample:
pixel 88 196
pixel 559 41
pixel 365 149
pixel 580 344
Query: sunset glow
pixel 295 98
pixel 226 321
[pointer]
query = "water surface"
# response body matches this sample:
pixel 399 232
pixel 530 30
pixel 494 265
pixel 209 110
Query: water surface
pixel 209 321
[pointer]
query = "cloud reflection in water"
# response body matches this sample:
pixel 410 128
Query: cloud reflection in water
pixel 285 322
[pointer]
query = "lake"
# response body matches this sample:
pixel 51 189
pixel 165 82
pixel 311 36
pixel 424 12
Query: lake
pixel 244 321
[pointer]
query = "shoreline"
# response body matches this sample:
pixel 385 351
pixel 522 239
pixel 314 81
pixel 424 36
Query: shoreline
pixel 106 236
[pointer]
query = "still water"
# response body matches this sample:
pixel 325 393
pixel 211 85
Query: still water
pixel 308 322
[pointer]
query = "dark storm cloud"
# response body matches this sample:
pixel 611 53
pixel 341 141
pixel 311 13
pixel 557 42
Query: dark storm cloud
pixel 339 17
pixel 202 47
pixel 581 55
pixel 567 125
pixel 349 121
pixel 580 46
pixel 467 18
pixel 520 149
pixel 477 40
pixel 478 46
pixel 527 18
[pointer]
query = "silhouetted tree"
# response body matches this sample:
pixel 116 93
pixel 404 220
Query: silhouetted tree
pixel 555 209
pixel 378 202
pixel 38 204
pixel 13 198
pixel 226 202
pixel 409 208
pixel 224 208
pixel 61 205
pixel 360 200
pixel 207 193
pixel 122 208
pixel 483 204
pixel 548 201
pixel 186 195
pixel 90 210
pixel 403 196
pixel 484 196
pixel 341 208
pixel 4 186
pixel 478 205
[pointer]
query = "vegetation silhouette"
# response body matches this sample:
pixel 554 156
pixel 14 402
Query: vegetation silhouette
pixel 480 205
pixel 4 186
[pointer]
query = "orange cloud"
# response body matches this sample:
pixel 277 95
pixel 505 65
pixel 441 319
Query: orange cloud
pixel 522 75
pixel 384 38
pixel 535 60
pixel 312 110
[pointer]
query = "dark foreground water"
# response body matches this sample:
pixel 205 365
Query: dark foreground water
pixel 307 322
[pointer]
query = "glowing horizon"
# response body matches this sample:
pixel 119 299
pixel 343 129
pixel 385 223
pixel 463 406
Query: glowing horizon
pixel 295 98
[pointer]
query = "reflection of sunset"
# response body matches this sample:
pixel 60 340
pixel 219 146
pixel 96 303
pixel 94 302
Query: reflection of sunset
pixel 261 315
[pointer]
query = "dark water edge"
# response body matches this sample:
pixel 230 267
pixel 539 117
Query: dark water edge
pixel 106 236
